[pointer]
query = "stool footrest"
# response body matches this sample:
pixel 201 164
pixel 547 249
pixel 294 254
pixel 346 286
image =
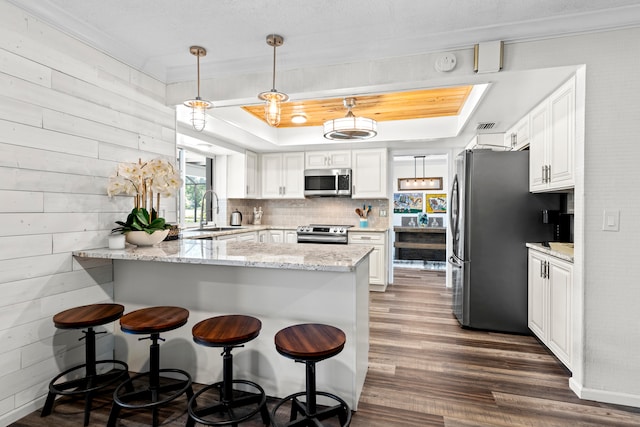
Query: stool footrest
pixel 88 383
pixel 340 410
pixel 176 386
pixel 225 407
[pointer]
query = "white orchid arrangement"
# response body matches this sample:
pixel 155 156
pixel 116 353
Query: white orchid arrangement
pixel 142 181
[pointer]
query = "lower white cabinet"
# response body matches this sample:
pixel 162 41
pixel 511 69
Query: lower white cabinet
pixel 550 308
pixel 249 236
pixel 290 236
pixel 377 259
pixel 270 236
pixel 277 236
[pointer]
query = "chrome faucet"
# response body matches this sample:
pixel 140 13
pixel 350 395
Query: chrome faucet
pixel 203 220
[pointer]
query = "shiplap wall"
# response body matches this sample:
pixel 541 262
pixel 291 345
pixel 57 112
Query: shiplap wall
pixel 68 115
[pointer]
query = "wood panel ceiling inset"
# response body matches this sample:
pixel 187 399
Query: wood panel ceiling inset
pixel 417 104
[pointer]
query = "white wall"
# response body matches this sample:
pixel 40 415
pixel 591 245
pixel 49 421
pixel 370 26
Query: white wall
pixel 68 115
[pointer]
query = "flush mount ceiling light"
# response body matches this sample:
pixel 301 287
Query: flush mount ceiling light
pixel 273 98
pixel 350 127
pixel 298 118
pixel 198 105
pixel 423 183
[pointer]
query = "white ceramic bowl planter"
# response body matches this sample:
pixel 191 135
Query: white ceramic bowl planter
pixel 142 238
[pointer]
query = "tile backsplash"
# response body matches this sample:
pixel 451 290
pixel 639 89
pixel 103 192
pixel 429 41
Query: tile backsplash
pixel 320 210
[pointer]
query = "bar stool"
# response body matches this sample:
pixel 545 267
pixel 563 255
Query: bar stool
pixel 86 316
pixel 310 343
pixel 151 321
pixel 228 332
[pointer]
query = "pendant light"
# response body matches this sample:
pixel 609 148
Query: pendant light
pixel 273 98
pixel 422 183
pixel 198 105
pixel 350 127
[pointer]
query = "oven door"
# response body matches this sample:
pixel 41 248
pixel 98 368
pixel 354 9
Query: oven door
pixel 321 238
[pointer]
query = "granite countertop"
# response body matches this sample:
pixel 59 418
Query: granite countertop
pixel 314 257
pixel 560 250
pixel 370 229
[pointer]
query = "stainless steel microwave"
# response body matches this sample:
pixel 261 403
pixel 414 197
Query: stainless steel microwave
pixel 327 182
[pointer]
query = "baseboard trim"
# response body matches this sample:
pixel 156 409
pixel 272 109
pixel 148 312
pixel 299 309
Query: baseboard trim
pixel 604 396
pixel 21 412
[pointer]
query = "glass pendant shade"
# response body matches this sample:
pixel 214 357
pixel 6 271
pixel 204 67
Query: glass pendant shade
pixel 272 99
pixel 198 112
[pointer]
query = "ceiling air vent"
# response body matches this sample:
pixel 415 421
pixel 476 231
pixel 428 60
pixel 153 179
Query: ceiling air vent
pixel 485 125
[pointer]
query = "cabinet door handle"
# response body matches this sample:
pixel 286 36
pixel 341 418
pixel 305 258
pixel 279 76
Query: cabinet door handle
pixel 547 270
pixel 544 174
pixel 365 238
pixel 549 173
pixel 284 190
pixel 514 139
pixel 542 269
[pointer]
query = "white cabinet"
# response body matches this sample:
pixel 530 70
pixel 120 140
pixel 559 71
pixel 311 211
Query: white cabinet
pixel 369 174
pixel 550 309
pixel 552 141
pixel 277 236
pixel 517 137
pixel 377 258
pixel 270 236
pixel 249 236
pixel 242 175
pixel 290 236
pixel 283 175
pixel 490 141
pixel 327 159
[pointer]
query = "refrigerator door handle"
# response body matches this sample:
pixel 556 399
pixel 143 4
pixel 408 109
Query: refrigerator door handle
pixel 455 261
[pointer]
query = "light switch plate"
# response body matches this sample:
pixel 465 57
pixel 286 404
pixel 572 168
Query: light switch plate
pixel 611 220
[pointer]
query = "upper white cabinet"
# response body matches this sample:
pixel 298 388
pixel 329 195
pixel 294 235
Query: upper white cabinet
pixel 242 175
pixel 282 175
pixel 327 159
pixel 550 303
pixel 517 137
pixel 552 141
pixel 369 173
pixel 491 141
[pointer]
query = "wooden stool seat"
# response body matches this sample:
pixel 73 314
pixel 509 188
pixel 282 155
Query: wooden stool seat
pixel 226 405
pixel 86 316
pixel 154 320
pixel 310 341
pixel 228 330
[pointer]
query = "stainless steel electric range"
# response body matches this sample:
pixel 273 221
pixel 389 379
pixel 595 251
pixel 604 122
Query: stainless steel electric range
pixel 319 233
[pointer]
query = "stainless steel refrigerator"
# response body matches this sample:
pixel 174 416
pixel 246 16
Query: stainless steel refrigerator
pixel 492 216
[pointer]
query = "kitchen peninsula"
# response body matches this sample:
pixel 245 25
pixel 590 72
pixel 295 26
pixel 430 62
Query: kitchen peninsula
pixel 281 284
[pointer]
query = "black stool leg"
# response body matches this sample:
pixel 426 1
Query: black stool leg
pixel 311 387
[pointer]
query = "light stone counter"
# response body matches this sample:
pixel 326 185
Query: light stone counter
pixel 317 257
pixel 279 283
pixel 560 250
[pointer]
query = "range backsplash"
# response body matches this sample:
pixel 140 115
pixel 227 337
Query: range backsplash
pixel 319 210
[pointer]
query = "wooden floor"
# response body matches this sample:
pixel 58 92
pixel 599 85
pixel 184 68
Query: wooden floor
pixel 426 371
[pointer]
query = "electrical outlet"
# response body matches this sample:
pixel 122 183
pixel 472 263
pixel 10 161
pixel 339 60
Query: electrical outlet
pixel 383 211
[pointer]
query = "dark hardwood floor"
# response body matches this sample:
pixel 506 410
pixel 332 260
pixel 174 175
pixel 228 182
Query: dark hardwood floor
pixel 426 371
